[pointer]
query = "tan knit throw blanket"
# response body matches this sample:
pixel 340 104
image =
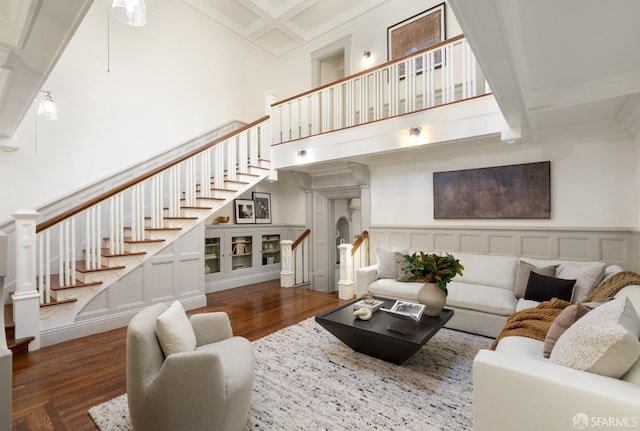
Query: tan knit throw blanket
pixel 535 322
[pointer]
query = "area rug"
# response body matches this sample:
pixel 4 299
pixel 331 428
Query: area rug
pixel 306 379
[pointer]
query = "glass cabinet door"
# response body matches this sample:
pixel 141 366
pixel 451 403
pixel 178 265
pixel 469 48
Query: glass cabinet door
pixel 212 255
pixel 270 249
pixel 241 254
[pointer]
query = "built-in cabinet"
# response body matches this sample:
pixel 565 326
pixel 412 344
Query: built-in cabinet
pixel 239 255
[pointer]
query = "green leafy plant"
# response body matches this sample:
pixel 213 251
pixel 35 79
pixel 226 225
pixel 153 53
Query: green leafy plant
pixel 433 268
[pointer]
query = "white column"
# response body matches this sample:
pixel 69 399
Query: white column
pixel 26 299
pixel 287 276
pixel 345 284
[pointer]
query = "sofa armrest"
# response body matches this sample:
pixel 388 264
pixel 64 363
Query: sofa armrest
pixel 530 394
pixel 364 277
pixel 211 327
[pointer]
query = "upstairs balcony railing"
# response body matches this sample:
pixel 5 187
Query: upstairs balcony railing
pixel 445 73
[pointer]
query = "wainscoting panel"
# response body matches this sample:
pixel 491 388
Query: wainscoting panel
pixel 535 246
pixel 471 242
pixel 613 246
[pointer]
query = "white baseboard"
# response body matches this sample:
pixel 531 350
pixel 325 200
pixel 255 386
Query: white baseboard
pixel 105 323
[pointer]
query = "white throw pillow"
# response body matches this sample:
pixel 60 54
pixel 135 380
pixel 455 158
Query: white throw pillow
pixel 587 276
pixel 174 330
pixel 604 341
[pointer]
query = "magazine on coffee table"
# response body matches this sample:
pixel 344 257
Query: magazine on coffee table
pixel 408 310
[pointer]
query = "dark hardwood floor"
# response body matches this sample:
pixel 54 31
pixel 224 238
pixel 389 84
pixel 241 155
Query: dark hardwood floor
pixel 54 387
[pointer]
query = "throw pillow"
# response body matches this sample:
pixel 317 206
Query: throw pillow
pixel 542 288
pixel 174 330
pixel 401 265
pixel 587 276
pixel 566 318
pixel 386 262
pixel 604 341
pixel 522 275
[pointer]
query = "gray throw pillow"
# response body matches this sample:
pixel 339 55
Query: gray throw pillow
pixel 522 275
pixel 402 264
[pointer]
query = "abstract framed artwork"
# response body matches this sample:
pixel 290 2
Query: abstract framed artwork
pixel 263 207
pixel 502 192
pixel 245 211
pixel 417 33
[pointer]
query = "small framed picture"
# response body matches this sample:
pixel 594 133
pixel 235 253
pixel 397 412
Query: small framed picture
pixel 245 211
pixel 263 207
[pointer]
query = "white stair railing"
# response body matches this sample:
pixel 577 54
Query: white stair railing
pixel 295 261
pixel 74 242
pixel 439 75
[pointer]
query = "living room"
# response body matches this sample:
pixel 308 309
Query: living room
pixel 118 110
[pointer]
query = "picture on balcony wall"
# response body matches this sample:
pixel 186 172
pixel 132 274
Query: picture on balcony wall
pixel 263 207
pixel 501 192
pixel 417 33
pixel 245 211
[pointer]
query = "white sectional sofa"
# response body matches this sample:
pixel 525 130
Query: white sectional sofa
pixel 515 386
pixel 482 298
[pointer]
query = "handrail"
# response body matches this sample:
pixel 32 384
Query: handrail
pixel 359 240
pixel 367 71
pixel 103 196
pixel 300 239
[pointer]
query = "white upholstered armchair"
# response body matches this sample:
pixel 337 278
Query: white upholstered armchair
pixel 208 388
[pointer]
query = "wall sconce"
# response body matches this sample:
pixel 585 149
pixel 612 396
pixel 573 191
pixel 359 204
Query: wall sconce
pixel 131 12
pixel 367 59
pixel 47 107
pixel 414 134
pixel 301 153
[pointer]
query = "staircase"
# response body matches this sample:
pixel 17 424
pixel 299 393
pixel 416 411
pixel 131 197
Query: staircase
pixel 19 347
pixel 83 251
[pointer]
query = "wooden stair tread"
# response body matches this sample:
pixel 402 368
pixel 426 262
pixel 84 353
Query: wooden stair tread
pixel 81 267
pixel 156 229
pixel 211 199
pixel 55 283
pixel 53 302
pixel 218 189
pixel 106 253
pixel 186 207
pixel 236 182
pixel 12 344
pixel 129 240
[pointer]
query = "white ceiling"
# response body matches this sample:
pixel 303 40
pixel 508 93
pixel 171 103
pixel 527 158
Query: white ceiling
pixel 557 64
pixel 279 26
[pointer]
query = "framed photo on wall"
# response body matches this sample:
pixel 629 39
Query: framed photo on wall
pixel 245 211
pixel 417 33
pixel 263 207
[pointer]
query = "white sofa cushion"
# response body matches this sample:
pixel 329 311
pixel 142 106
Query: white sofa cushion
pixel 396 289
pixel 604 341
pixel 487 299
pixel 526 303
pixel 521 346
pixel 487 270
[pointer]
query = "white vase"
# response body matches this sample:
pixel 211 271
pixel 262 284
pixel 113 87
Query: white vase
pixel 433 297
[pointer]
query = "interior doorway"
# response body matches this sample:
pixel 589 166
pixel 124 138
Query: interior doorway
pixel 331 62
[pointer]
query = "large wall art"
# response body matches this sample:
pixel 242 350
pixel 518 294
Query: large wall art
pixel 501 192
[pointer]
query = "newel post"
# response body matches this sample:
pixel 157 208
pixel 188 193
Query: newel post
pixel 26 299
pixel 287 276
pixel 345 284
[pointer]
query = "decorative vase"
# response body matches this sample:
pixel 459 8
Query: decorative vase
pixel 431 296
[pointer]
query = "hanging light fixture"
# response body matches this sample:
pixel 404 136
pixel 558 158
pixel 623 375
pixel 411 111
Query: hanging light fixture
pixel 47 107
pixel 132 12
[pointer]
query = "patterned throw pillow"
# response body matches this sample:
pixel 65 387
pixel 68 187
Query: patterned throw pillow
pixel 604 341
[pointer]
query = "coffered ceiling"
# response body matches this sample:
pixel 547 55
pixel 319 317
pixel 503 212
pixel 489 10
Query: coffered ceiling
pixel 280 26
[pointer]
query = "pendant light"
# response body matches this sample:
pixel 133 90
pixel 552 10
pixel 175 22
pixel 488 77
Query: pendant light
pixel 132 12
pixel 47 107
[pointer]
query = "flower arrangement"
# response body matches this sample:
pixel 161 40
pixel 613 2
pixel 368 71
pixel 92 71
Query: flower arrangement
pixel 433 268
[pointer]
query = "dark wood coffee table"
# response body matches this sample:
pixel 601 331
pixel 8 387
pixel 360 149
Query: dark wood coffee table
pixel 372 337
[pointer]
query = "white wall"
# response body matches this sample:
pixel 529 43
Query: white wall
pixel 593 181
pixel 170 81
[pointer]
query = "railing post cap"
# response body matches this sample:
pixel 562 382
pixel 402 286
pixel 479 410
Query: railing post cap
pixel 25 213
